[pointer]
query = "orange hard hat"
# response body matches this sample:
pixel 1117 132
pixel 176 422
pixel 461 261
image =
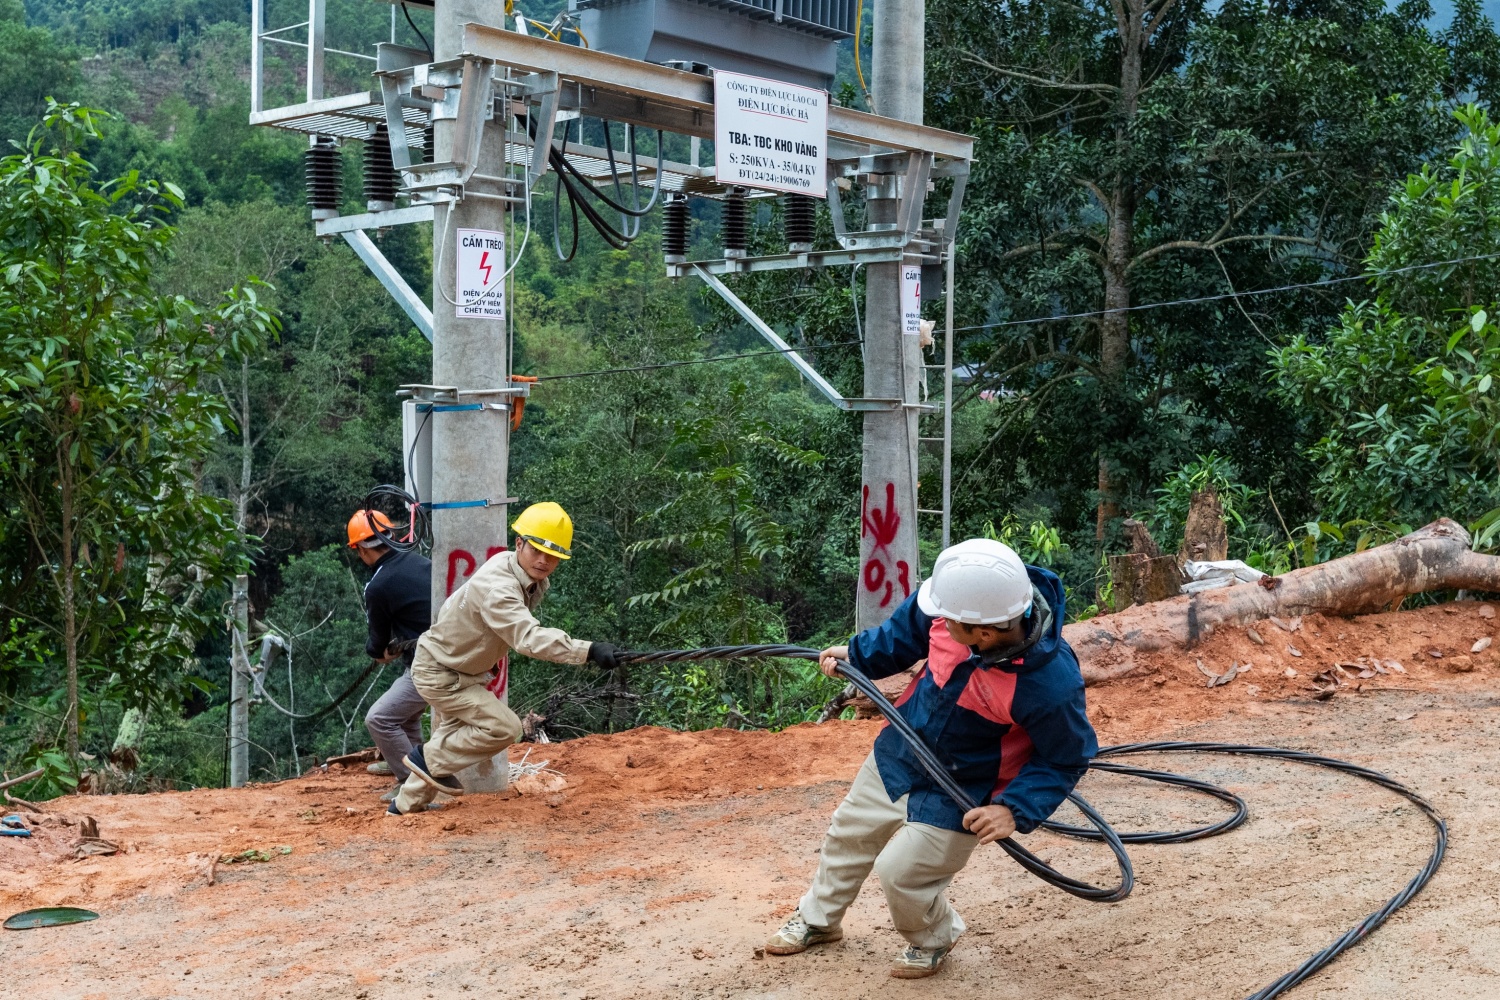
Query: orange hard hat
pixel 361 531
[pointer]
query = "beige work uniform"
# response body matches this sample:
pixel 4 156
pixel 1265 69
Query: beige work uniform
pixel 478 625
pixel 915 862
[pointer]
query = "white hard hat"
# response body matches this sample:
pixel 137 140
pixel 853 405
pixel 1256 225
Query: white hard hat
pixel 977 582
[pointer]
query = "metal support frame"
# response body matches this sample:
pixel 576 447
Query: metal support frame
pixel 948 400
pixel 257 55
pixel 410 302
pixel 425 393
pixel 946 410
pixel 784 261
pixel 678 101
pixel 373 220
pixel 317 11
pixel 547 87
pixel 497 72
pixel 800 363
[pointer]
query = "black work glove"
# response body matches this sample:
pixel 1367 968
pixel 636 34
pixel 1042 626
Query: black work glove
pixel 606 655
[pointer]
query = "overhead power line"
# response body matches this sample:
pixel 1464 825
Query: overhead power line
pixel 1041 319
pixel 697 361
pixel 1221 297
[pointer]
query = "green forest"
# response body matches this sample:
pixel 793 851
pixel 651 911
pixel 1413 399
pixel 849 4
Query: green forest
pixel 1241 244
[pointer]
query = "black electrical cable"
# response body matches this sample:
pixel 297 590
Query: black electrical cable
pixel 1248 293
pixel 418 527
pixel 1101 830
pixel 572 181
pixel 636 210
pixel 560 164
pixel 698 361
pixel 936 768
pixel 616 238
pixel 315 716
pixel 557 198
pixel 626 219
pixel 425 43
pixel 370 668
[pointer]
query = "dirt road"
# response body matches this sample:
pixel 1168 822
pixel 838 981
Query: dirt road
pixel 670 856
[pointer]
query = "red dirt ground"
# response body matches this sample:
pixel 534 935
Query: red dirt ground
pixel 669 856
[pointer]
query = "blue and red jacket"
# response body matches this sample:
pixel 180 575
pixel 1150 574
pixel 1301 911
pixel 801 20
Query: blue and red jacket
pixel 1013 731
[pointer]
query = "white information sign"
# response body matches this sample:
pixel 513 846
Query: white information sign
pixel 770 135
pixel 911 300
pixel 481 266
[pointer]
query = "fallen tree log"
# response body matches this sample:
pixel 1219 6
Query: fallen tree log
pixel 1436 557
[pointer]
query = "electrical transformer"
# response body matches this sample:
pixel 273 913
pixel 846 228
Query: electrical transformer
pixel 794 41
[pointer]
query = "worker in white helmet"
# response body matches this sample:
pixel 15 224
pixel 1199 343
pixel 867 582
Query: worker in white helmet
pixel 1000 699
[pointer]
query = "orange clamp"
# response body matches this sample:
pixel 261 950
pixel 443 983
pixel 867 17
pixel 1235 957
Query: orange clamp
pixel 518 404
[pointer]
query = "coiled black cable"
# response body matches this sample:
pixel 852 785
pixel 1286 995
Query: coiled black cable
pixel 572 181
pixel 411 528
pixel 1101 830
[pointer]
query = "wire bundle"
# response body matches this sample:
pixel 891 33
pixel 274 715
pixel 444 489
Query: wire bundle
pixel 1100 829
pixel 578 187
pixel 414 534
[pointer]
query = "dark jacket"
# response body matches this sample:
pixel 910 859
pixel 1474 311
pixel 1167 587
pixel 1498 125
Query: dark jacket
pixel 1013 732
pixel 398 601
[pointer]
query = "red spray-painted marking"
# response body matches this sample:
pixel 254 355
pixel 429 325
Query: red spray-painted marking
pixel 454 558
pixel 882 527
pixel 500 677
pixel 466 557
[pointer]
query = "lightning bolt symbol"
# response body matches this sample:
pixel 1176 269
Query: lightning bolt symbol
pixel 484 265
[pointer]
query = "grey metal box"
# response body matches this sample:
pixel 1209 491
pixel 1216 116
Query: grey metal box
pixel 795 41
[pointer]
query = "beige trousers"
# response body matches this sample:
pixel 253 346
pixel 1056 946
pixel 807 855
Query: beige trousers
pixel 473 725
pixel 915 863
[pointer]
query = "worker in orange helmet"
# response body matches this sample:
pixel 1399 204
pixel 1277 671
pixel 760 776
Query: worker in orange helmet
pixel 477 627
pixel 398 608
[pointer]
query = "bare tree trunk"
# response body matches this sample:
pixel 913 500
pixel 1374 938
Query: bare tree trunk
pixel 1114 326
pixel 70 611
pixel 126 751
pixel 1114 339
pixel 242 501
pixel 239 684
pixel 1436 557
pixel 239 631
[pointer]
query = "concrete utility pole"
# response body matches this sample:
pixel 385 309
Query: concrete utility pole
pixel 893 363
pixel 470 448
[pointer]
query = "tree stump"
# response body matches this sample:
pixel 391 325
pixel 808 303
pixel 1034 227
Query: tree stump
pixel 1205 537
pixel 1141 579
pixel 1139 537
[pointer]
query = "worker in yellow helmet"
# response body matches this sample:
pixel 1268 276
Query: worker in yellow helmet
pixel 477 627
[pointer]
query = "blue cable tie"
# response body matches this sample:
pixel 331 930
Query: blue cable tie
pixel 447 407
pixel 455 504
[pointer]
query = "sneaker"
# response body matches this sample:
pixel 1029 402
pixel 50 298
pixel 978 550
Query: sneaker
pixel 391 810
pixel 379 767
pixel 918 963
pixel 443 783
pixel 796 935
pixel 390 795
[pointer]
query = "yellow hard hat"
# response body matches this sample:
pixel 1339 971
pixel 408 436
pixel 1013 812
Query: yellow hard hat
pixel 547 526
